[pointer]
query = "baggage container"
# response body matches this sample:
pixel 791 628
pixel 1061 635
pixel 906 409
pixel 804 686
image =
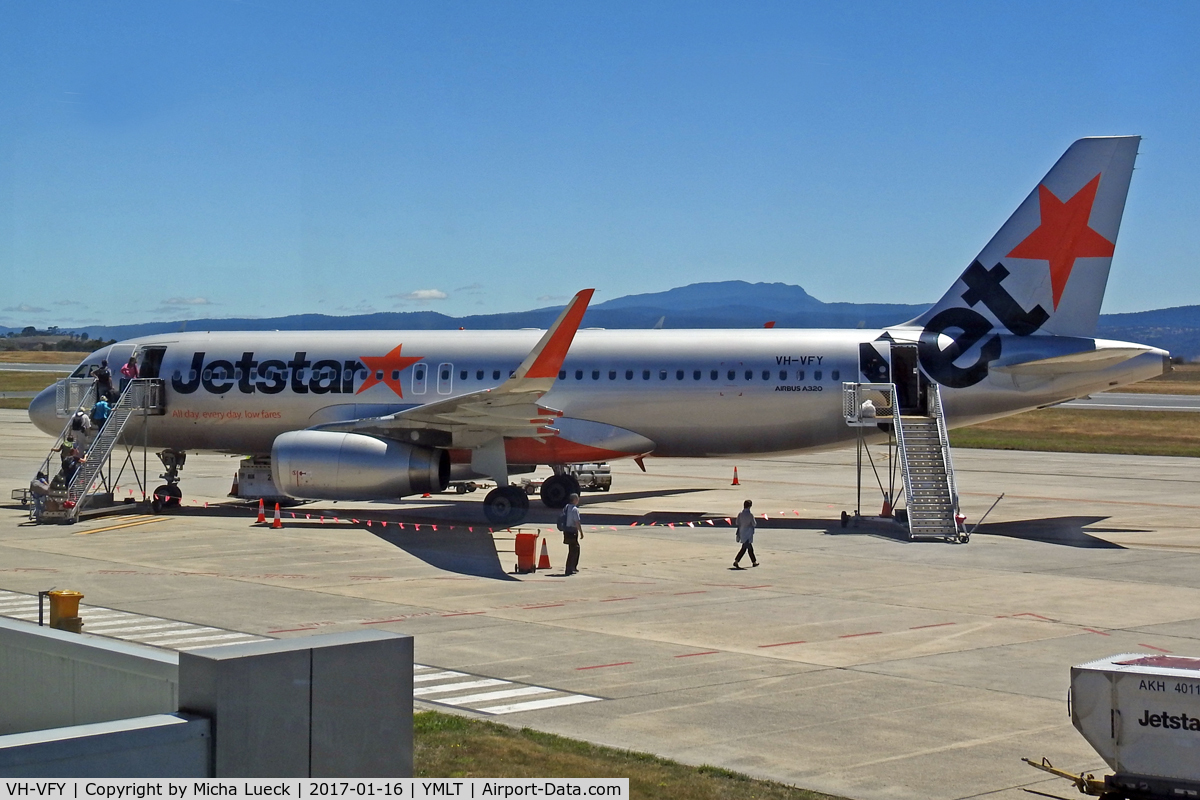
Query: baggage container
pixel 1142 715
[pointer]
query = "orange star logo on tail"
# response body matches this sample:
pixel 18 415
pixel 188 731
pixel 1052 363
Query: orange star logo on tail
pixel 386 370
pixel 1064 235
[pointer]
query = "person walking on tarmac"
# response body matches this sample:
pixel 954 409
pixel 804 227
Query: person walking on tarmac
pixel 745 535
pixel 572 530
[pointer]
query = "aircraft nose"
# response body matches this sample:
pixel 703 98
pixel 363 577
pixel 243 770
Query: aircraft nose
pixel 41 412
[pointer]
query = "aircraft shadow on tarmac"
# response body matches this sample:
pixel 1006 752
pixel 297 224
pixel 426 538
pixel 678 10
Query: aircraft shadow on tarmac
pixel 464 552
pixel 1065 531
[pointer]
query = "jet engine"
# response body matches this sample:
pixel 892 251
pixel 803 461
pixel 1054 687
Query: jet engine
pixel 325 465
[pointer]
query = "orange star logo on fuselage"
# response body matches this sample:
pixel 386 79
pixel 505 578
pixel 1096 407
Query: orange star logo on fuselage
pixel 386 370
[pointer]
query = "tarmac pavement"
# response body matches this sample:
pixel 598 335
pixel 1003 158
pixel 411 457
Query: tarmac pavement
pixel 852 661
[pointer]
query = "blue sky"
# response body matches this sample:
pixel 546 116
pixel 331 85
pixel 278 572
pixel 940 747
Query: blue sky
pixel 192 159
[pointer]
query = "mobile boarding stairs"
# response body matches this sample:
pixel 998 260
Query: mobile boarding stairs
pixel 94 483
pixel 922 447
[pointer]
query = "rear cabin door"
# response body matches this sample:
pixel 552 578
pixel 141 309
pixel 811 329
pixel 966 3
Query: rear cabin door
pixel 910 383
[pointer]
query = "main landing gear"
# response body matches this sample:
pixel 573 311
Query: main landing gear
pixel 506 506
pixel 557 488
pixel 169 494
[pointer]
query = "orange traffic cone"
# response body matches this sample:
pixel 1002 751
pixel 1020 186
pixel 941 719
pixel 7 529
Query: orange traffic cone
pixel 233 491
pixel 277 523
pixel 544 559
pixel 887 507
pixel 262 513
pixel 735 480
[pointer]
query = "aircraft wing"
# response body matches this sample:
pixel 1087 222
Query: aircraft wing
pixel 510 410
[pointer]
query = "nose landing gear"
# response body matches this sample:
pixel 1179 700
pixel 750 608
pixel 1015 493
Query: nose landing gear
pixel 169 494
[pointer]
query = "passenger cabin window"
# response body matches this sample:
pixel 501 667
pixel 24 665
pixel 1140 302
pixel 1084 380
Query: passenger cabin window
pixel 645 374
pixel 766 374
pixel 662 374
pixel 479 375
pixel 418 378
pixel 712 375
pixel 783 374
pixel 749 374
pixel 816 374
pixel 578 374
pixel 595 374
pixel 562 374
pixel 696 375
pixel 732 375
pixel 678 374
pixel 612 374
pixel 628 374
pixel 462 376
pixel 836 375
pixel 445 378
pixel 495 374
pixel 799 374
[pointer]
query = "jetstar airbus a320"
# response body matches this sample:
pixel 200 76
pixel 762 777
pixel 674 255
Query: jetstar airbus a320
pixel 362 415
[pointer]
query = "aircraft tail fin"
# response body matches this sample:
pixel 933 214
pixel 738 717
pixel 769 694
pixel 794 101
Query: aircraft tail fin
pixel 1046 268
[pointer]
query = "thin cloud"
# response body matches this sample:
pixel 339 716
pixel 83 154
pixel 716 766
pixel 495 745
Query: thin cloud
pixel 67 303
pixel 474 288
pixel 421 295
pixel 546 298
pixel 187 301
pixel 25 308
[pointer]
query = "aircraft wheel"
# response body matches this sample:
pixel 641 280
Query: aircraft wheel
pixel 557 488
pixel 506 506
pixel 166 496
pixel 963 538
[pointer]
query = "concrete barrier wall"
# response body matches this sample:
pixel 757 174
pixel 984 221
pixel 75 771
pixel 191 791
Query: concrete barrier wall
pixel 159 746
pixel 53 679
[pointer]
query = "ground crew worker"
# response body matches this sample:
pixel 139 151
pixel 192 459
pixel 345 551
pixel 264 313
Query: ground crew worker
pixel 745 535
pixel 572 533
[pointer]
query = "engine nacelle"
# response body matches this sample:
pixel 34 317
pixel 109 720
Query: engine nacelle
pixel 325 465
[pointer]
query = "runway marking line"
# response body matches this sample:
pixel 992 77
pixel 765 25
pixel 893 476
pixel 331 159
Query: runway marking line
pixel 854 635
pixel 1093 630
pixel 122 525
pixel 464 614
pixel 383 621
pixel 1152 647
pixel 764 586
pixel 781 644
pixel 602 666
pixel 705 653
pixel 550 605
pixel 617 599
pixel 934 625
pixel 701 591
pixel 1035 616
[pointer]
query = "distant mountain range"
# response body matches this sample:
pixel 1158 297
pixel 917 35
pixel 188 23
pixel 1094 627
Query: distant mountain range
pixel 725 304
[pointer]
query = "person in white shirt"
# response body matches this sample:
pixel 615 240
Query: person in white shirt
pixel 572 532
pixel 745 535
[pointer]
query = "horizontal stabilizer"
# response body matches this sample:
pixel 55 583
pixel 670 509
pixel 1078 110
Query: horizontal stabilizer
pixel 1085 361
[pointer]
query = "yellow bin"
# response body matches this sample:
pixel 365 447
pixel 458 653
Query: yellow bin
pixel 64 604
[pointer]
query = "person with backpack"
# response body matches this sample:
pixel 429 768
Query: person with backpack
pixel 81 427
pixel 572 528
pixel 103 377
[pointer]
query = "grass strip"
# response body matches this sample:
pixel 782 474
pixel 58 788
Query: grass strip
pixel 449 746
pixel 1063 430
pixel 71 357
pixel 11 381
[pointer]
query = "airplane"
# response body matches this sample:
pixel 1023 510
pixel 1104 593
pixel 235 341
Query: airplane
pixel 379 415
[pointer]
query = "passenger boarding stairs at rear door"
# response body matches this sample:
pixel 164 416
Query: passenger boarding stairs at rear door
pixel 923 447
pixel 928 477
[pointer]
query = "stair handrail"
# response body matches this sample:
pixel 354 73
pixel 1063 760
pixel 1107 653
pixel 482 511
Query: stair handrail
pixel 898 427
pixel 136 395
pixel 66 431
pixel 944 440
